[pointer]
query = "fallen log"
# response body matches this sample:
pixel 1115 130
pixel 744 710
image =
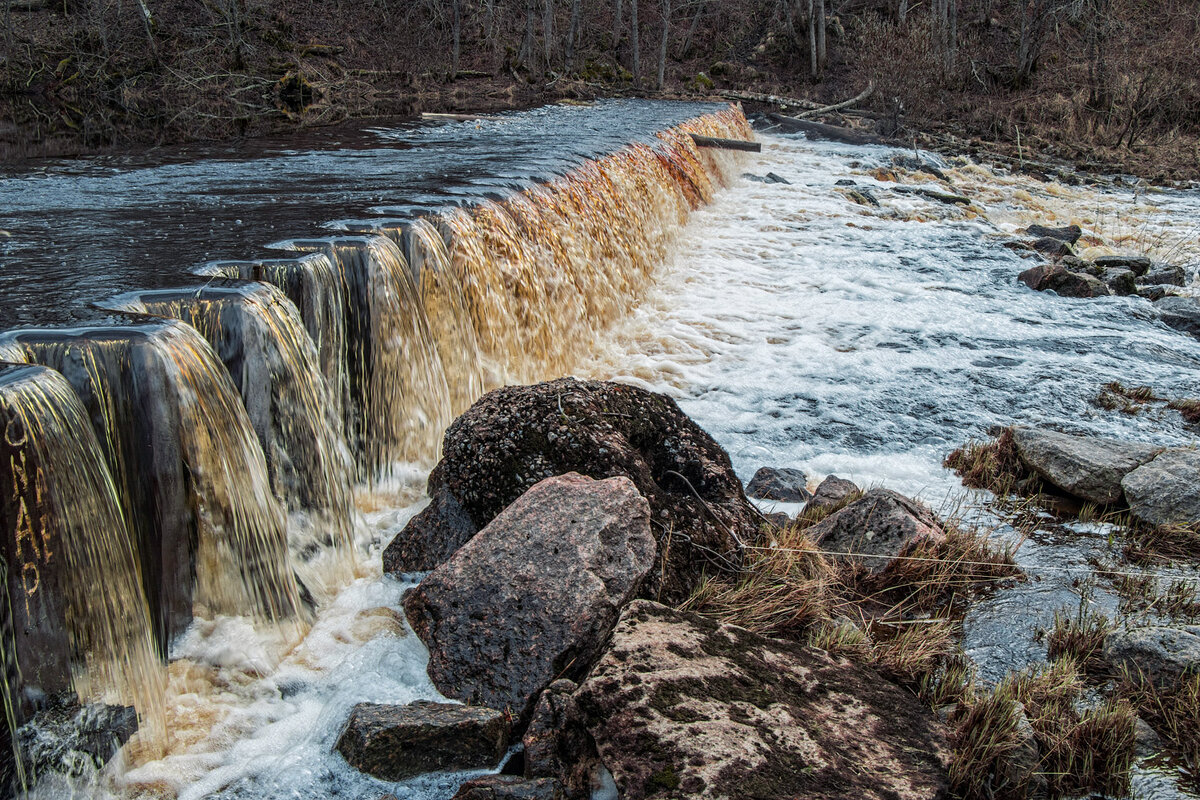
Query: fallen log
pixel 770 99
pixel 456 117
pixel 833 133
pixel 858 98
pixel 726 144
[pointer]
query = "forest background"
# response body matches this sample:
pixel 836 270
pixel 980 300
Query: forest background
pixel 1109 84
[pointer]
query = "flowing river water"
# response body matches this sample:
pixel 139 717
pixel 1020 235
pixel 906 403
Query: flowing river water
pixel 798 326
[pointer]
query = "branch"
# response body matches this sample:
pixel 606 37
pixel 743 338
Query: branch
pixel 858 98
pixel 770 99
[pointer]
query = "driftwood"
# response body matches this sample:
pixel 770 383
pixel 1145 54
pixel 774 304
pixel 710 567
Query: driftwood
pixel 456 117
pixel 770 99
pixel 819 130
pixel 726 144
pixel 858 98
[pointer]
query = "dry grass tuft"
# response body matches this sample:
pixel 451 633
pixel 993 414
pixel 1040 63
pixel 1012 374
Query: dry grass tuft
pixel 1190 409
pixel 1115 396
pixel 1161 544
pixel 1078 638
pixel 1172 710
pixel 993 465
pixel 811 514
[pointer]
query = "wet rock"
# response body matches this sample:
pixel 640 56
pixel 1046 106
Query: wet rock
pixel 881 523
pixel 784 484
pixel 863 197
pixel 534 594
pixel 1054 248
pixel 831 492
pixel 1147 742
pixel 1166 275
pixel 1166 490
pixel 1088 467
pixel 1076 264
pixel 1069 234
pixel 778 519
pixel 1074 284
pixel 682 706
pixel 1035 277
pixel 1162 654
pixel 431 537
pixel 1120 281
pixel 1155 292
pixel 770 177
pixel 845 182
pixel 553 745
pixel 1138 264
pixel 397 742
pixel 516 436
pixel 510 787
pixel 65 736
pixel 1180 313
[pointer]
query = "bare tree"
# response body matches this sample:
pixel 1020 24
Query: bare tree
pixel 572 34
pixel 616 42
pixel 526 52
pixel 456 35
pixel 662 47
pixel 547 30
pixel 902 13
pixel 686 47
pixel 812 41
pixel 637 56
pixel 820 23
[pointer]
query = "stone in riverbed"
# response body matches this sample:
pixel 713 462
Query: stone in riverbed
pixel 784 484
pixel 1163 654
pixel 393 743
pixel 1138 264
pixel 1120 281
pixel 1063 281
pixel 533 595
pixel 682 706
pixel 1166 275
pixel 1166 490
pixel 1087 467
pixel 1054 248
pixel 1180 313
pixel 513 437
pixel 430 537
pixel 1069 234
pixel 881 523
pixel 509 787
pixel 831 492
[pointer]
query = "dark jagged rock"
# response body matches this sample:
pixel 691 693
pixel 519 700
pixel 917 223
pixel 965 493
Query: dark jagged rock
pixel 1035 277
pixel 1088 467
pixel 431 537
pixel 1165 490
pixel 533 596
pixel 1066 283
pixel 1054 248
pixel 682 706
pixel 1069 234
pixel 881 523
pixel 397 742
pixel 770 177
pixel 1161 653
pixel 831 492
pixel 70 738
pixel 510 787
pixel 552 745
pixel 1167 275
pixel 784 484
pixel 1120 281
pixel 1180 313
pixel 1138 264
pixel 516 436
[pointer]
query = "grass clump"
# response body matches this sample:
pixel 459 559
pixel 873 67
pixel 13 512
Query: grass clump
pixel 993 465
pixel 1172 709
pixel 1190 409
pixel 1161 544
pixel 1078 637
pixel 1115 396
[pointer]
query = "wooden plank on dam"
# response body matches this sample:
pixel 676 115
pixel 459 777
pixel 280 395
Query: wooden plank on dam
pixel 726 144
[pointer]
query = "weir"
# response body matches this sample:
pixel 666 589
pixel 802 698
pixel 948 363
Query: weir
pixel 223 407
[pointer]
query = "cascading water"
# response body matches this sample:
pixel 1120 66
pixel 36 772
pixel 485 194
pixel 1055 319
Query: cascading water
pixel 258 335
pixel 189 472
pixel 78 618
pixel 511 289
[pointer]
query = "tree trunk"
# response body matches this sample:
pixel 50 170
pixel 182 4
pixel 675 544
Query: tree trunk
pixel 456 31
pixel 637 55
pixel 902 13
pixel 687 40
pixel 951 34
pixel 812 42
pixel 572 35
pixel 526 52
pixel 616 42
pixel 821 34
pixel 547 30
pixel 662 48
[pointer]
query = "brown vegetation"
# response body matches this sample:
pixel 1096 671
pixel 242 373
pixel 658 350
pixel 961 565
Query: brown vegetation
pixel 993 465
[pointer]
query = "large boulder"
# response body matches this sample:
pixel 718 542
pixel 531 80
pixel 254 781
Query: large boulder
pixel 1166 490
pixel 431 537
pixel 832 491
pixel 1120 281
pixel 516 436
pixel 1088 467
pixel 1180 313
pixel 1050 246
pixel 398 742
pixel 1069 233
pixel 509 787
pixel 1138 264
pixel 683 706
pixel 1167 274
pixel 533 596
pixel 881 523
pixel 1160 653
pixel 784 484
pixel 1066 283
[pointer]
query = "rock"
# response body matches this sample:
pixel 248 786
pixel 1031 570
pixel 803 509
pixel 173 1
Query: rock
pixel 845 182
pixel 1166 275
pixel 881 523
pixel 831 492
pixel 397 742
pixel 1120 281
pixel 1087 467
pixel 516 436
pixel 1163 654
pixel 1154 292
pixel 431 537
pixel 1074 284
pixel 1054 248
pixel 510 787
pixel 863 197
pixel 68 737
pixel 1138 264
pixel 1076 264
pixel 770 177
pixel 1035 277
pixel 1180 313
pixel 1147 742
pixel 552 745
pixel 682 706
pixel 1069 234
pixel 1023 766
pixel 534 594
pixel 1166 491
pixel 784 484
pixel 778 519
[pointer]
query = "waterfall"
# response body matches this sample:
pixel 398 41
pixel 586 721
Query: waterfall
pixel 227 420
pixel 188 468
pixel 78 618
